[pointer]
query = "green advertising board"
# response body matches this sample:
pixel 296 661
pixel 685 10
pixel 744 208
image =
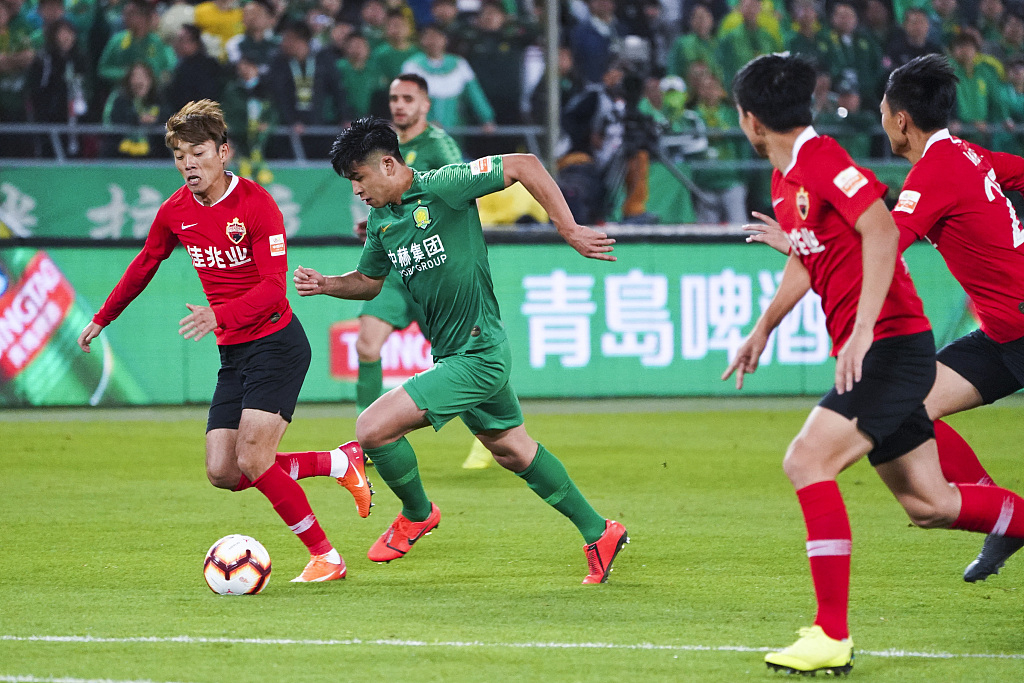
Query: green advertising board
pixel 660 321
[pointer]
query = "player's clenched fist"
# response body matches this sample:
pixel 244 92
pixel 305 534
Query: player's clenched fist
pixel 308 281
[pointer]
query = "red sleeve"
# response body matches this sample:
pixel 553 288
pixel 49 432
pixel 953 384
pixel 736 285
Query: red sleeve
pixel 1009 170
pixel 923 202
pixel 270 253
pixel 159 244
pixel 849 188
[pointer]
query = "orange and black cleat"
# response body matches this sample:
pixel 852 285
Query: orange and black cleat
pixel 601 553
pixel 355 478
pixel 399 537
pixel 321 569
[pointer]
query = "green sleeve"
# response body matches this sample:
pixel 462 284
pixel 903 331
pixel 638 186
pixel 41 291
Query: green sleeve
pixel 373 261
pixel 478 102
pixel 448 151
pixel 110 66
pixel 461 184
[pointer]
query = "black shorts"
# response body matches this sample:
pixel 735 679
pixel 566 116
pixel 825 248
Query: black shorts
pixel 888 401
pixel 996 370
pixel 264 374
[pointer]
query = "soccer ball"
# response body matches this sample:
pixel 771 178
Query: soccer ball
pixel 237 565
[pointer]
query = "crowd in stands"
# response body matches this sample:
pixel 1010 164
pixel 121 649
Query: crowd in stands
pixel 277 64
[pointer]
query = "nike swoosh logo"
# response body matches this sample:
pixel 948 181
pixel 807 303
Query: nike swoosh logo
pixel 776 202
pixel 385 228
pixel 186 227
pixel 362 482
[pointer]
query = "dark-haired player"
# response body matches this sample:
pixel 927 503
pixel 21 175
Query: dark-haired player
pixel 844 247
pixel 426 226
pixel 953 197
pixel 234 234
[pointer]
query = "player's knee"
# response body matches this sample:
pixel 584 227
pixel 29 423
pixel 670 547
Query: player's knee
pixel 927 514
pixel 368 350
pixel 223 477
pixel 797 464
pixel 368 431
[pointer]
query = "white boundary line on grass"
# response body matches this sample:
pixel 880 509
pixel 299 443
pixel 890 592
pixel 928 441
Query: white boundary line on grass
pixel 63 679
pixel 392 642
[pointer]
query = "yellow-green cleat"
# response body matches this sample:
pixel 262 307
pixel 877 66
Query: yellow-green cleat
pixel 479 457
pixel 813 652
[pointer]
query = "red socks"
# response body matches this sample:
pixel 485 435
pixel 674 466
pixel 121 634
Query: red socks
pixel 298 466
pixel 990 510
pixel 959 463
pixel 289 501
pixel 828 550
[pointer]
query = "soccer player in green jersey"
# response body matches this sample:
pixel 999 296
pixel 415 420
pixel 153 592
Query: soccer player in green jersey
pixel 424 147
pixel 427 227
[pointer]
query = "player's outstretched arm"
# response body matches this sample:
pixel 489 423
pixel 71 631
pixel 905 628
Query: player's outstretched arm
pixel 352 285
pixel 91 331
pixel 880 245
pixel 795 283
pixel 769 232
pixel 527 169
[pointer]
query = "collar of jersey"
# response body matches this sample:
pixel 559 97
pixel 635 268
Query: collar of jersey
pixel 936 136
pixel 806 135
pixel 231 186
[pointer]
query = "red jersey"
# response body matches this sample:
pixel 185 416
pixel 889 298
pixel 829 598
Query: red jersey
pixel 953 197
pixel 239 250
pixel 817 201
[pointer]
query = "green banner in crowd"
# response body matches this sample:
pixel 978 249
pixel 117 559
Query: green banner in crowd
pixel 112 201
pixel 661 321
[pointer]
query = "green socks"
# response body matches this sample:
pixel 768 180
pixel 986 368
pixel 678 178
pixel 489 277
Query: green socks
pixel 396 465
pixel 547 477
pixel 369 385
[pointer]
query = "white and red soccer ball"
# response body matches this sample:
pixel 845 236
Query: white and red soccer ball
pixel 237 565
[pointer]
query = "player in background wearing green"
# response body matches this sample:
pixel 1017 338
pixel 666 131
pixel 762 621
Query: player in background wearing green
pixel 425 148
pixel 427 226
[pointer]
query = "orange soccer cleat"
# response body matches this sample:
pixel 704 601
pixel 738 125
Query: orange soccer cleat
pixel 321 569
pixel 355 477
pixel 399 537
pixel 601 553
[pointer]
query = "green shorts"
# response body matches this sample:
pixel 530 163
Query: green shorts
pixel 394 304
pixel 473 386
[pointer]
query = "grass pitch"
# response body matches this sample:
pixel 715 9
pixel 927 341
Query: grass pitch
pixel 103 528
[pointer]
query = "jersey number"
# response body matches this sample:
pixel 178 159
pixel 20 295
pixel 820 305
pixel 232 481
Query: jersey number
pixel 991 190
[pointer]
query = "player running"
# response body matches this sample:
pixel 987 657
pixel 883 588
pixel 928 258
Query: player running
pixel 845 247
pixel 426 226
pixel 424 147
pixel 953 197
pixel 234 233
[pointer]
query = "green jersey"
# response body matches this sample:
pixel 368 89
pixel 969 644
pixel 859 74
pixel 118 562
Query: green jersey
pixel 435 241
pixel 433 148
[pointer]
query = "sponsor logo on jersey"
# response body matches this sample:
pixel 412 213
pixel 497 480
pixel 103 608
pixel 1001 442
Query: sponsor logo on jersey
pixel 235 230
pixel 908 201
pixel 277 247
pixel 481 165
pixel 849 180
pixel 421 217
pixel 803 203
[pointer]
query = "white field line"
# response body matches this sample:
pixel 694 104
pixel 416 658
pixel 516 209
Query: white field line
pixel 389 642
pixel 62 679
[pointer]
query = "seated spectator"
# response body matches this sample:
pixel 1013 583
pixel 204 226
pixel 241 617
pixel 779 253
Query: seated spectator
pixel 57 84
pixel 250 115
pixel 682 131
pixel 569 83
pixel 16 55
pixel 810 39
pixel 454 89
pixel 257 42
pixel 357 79
pixel 444 14
pixel 220 21
pixel 49 12
pixel 771 16
pixel 386 60
pixel 848 122
pixel 878 21
pixel 698 44
pixel 374 17
pixel 495 48
pixel 136 43
pixel 306 87
pixel 911 41
pixel 724 196
pixel 853 55
pixel 989 22
pixel 1011 40
pixel 738 46
pixel 596 40
pixel 978 104
pixel 136 102
pixel 945 19
pixel 197 76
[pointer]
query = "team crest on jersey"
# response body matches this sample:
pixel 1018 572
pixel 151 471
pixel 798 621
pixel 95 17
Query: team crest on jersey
pixel 235 230
pixel 421 217
pixel 803 203
pixel 410 157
